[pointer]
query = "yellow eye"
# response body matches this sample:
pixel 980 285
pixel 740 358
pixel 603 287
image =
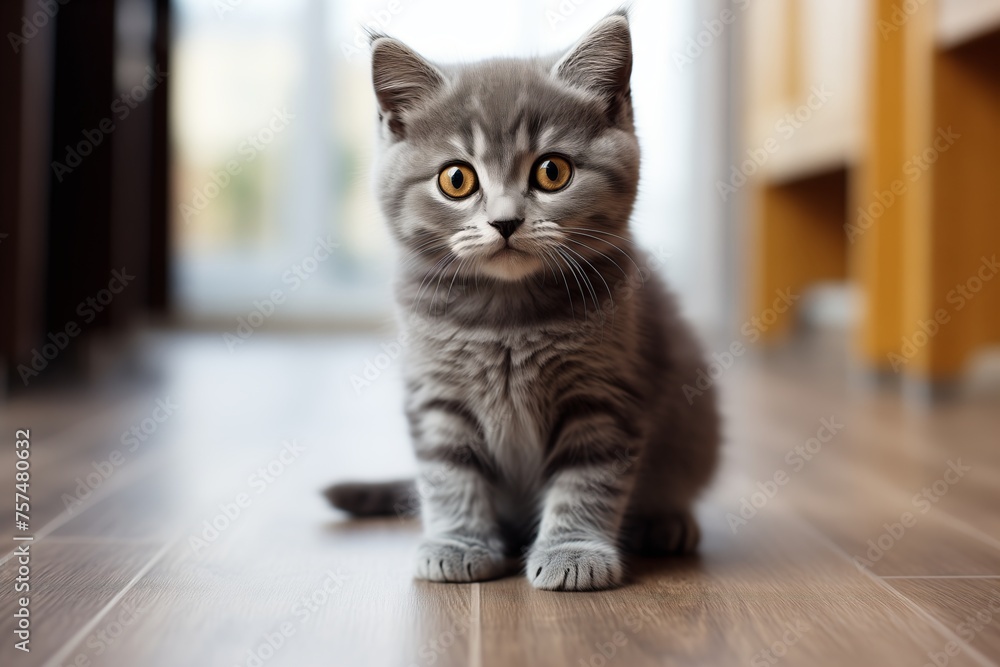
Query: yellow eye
pixel 458 181
pixel 552 173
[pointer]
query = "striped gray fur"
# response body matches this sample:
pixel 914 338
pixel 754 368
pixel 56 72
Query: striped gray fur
pixel 544 378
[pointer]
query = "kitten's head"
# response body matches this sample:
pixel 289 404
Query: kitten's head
pixel 506 167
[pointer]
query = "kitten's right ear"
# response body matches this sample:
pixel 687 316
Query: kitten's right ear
pixel 602 62
pixel 402 80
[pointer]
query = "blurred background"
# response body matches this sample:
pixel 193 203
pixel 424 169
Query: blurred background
pixel 186 211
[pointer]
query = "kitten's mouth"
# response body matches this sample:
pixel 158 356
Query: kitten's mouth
pixel 507 251
pixel 510 263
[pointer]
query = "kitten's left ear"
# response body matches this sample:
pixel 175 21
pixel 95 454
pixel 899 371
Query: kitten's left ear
pixel 602 62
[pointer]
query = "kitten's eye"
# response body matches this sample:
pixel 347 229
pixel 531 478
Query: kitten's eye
pixel 458 181
pixel 552 173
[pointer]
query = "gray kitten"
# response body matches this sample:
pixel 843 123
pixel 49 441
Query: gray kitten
pixel 543 377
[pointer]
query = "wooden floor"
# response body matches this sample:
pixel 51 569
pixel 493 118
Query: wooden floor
pixel 120 578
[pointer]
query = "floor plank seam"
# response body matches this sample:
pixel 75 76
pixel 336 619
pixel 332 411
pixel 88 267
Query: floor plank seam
pixel 950 636
pixel 100 494
pixel 63 653
pixel 941 576
pixel 96 539
pixel 475 633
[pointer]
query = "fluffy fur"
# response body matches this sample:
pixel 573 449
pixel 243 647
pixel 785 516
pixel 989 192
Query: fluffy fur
pixel 543 376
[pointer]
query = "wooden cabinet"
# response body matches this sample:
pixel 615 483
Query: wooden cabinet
pixel 892 184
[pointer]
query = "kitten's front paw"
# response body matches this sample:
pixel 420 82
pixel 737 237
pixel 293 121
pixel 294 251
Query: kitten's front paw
pixel 579 565
pixel 455 559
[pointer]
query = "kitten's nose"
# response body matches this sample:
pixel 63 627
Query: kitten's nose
pixel 506 227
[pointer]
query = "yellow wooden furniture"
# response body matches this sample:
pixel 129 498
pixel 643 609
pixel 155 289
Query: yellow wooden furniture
pixel 894 184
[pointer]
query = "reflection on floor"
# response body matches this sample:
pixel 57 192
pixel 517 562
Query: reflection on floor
pixel 179 523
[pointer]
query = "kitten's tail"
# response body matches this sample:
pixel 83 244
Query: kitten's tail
pixel 375 498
